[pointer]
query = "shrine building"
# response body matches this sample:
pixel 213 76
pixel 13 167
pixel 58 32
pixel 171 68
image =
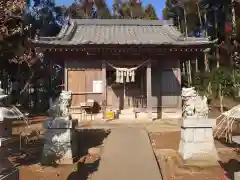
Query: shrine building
pixel 131 67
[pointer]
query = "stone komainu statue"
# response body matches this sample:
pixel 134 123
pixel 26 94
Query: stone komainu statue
pixel 60 108
pixel 193 104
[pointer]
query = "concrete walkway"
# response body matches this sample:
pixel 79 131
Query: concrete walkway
pixel 127 155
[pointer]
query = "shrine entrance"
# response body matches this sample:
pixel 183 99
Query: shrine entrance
pixel 126 87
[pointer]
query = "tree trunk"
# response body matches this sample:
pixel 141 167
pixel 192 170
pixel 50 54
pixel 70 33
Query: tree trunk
pixel 27 83
pixel 179 24
pixel 199 15
pixel 185 22
pixel 205 54
pixel 216 35
pixel 233 32
pixel 233 17
pixel 217 57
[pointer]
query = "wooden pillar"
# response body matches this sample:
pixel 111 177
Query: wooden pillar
pixel 65 75
pixel 104 88
pixel 149 89
pixel 179 77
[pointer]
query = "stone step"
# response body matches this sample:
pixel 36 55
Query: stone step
pixel 127 111
pixel 129 116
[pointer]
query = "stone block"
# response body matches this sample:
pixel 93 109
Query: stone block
pixel 187 134
pixel 12 174
pixel 58 124
pixel 202 154
pixel 213 122
pixel 236 139
pixel 208 134
pixel 199 134
pixel 58 135
pixel 4 141
pixel 5 128
pixel 197 144
pixel 129 116
pixel 195 122
pixel 237 175
pixel 196 134
pixel 95 151
pixel 61 156
pixel 59 146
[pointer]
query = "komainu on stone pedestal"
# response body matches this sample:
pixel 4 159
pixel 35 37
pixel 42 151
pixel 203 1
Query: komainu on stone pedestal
pixel 59 145
pixel 197 143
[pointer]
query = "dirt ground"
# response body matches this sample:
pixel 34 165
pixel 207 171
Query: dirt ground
pixel 30 169
pixel 214 106
pixel 166 147
pixel 27 159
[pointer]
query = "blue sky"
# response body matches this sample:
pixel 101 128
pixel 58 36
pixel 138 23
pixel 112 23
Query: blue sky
pixel 158 4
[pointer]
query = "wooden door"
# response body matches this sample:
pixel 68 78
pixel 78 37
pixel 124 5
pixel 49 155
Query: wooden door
pixel 76 84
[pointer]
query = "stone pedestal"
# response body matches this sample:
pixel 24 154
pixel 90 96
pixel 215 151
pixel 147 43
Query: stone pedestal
pixel 236 175
pixel 7 171
pixel 197 143
pixel 59 142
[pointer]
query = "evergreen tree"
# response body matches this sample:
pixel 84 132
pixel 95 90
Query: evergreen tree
pixel 133 9
pixel 102 10
pixel 82 9
pixel 46 17
pixel 150 13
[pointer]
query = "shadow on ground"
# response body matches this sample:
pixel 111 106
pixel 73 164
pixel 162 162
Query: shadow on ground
pixel 88 138
pixel 28 155
pixel 221 142
pixel 84 170
pixel 84 164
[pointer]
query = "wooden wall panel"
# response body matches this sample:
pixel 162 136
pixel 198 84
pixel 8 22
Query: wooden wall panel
pixel 170 88
pixel 90 76
pixel 76 81
pixel 77 99
pixel 80 77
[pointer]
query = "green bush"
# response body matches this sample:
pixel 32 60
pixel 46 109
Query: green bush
pixel 222 76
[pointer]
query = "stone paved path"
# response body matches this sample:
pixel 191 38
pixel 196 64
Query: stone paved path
pixel 127 155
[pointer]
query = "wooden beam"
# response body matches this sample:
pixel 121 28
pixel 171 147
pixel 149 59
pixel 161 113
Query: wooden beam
pixel 84 93
pixel 99 56
pixel 149 89
pixel 104 86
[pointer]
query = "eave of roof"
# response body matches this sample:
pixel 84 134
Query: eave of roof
pixel 119 32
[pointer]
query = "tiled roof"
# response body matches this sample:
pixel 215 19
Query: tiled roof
pixel 119 31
